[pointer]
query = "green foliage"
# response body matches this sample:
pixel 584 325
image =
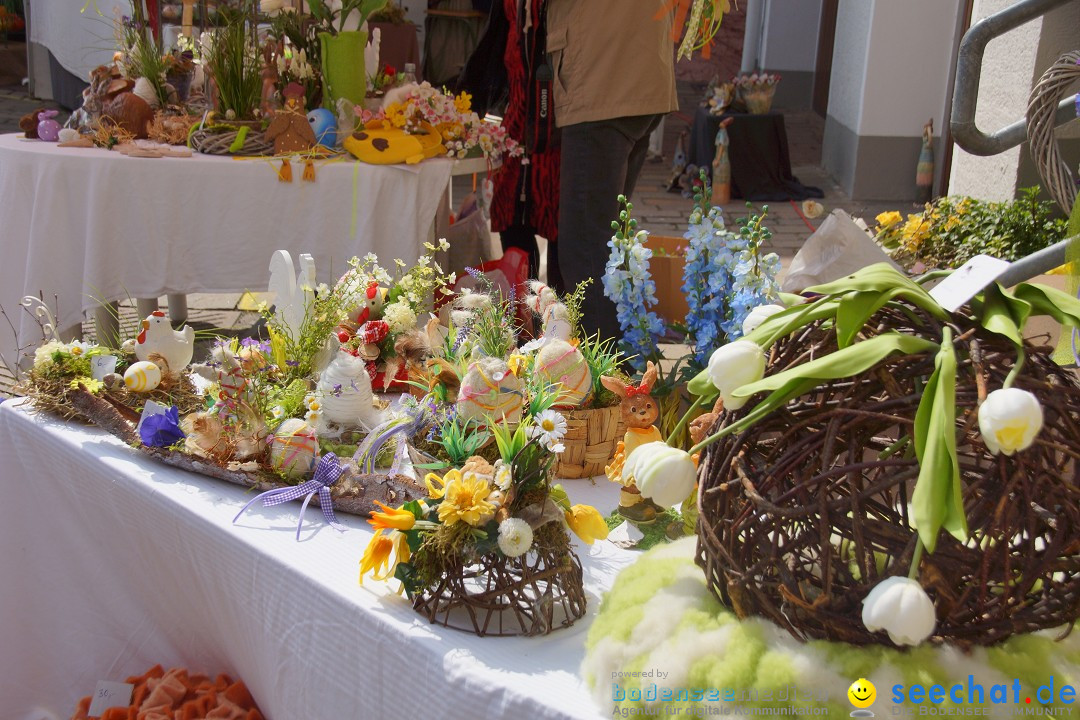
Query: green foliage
pixel 952 230
pixel 143 57
pixel 573 302
pixel 321 11
pixel 461 441
pixel 235 63
pixel 301 31
pixel 603 358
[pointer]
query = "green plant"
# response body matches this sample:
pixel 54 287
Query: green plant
pixel 234 61
pixel 325 16
pixel 141 56
pixel 603 358
pixel 302 32
pixel 952 230
pixel 461 441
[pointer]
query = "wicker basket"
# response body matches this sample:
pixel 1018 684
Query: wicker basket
pixel 807 510
pixel 219 142
pixel 533 594
pixel 590 440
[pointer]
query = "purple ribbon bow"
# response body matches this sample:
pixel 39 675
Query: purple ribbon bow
pixel 327 472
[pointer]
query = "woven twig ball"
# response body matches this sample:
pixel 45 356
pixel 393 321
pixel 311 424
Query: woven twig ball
pixel 1041 115
pixel 806 511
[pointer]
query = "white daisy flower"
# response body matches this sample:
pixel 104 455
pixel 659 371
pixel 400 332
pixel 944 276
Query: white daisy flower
pixel 550 427
pixel 515 537
pixel 503 476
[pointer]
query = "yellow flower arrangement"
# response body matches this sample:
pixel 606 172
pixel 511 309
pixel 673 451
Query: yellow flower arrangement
pixel 587 523
pixel 465 498
pixel 463 102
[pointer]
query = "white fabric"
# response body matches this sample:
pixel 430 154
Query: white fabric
pixel 91 225
pixel 80 41
pixel 112 563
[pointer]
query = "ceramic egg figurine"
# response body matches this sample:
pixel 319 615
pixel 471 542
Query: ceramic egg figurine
pixel 560 362
pixel 345 387
pixel 489 393
pixel 142 376
pixel 293 448
pixel 67 135
pixel 324 125
pixel 157 336
pixel 47 128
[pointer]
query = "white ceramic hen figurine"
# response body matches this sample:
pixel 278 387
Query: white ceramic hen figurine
pixel 157 336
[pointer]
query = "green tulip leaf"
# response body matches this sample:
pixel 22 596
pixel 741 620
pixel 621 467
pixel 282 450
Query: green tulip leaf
pixel 788 321
pixel 937 501
pixel 1049 301
pixel 882 278
pixel 1000 312
pixel 852 360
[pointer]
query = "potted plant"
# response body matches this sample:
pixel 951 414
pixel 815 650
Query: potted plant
pixel 235 63
pixel 344 75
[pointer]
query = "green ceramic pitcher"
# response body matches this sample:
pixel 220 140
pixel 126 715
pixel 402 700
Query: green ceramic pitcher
pixel 344 75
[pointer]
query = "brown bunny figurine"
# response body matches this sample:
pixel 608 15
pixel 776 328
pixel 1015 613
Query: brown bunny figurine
pixel 639 411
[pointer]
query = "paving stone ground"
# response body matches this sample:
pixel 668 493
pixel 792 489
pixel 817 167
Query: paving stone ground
pixel 657 210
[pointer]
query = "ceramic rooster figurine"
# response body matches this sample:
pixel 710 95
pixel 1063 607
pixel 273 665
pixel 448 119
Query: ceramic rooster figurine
pixel 158 338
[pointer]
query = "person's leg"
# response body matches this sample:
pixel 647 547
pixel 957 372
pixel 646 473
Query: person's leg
pixel 593 174
pixel 595 170
pixel 640 150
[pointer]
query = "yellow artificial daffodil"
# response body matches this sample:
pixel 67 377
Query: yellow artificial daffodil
pixel 437 485
pixel 392 518
pixel 587 523
pixel 517 363
pixel 376 558
pixel 465 498
pixel 463 102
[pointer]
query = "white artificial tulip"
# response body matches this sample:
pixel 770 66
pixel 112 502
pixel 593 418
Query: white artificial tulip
pixel 1009 420
pixel 734 365
pixel 759 315
pixel 663 474
pixel 900 607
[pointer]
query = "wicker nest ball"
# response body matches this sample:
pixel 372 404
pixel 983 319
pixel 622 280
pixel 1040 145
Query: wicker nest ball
pixel 802 514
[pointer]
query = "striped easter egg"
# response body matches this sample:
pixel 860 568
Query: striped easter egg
pixel 559 362
pixel 293 448
pixel 142 376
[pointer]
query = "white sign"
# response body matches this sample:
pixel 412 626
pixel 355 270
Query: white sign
pixel 966 281
pixel 150 409
pixel 109 695
pixel 102 365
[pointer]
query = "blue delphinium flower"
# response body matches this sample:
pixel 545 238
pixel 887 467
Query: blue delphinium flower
pixel 724 278
pixel 629 284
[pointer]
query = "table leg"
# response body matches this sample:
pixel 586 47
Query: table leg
pixel 145 306
pixel 178 310
pixel 107 322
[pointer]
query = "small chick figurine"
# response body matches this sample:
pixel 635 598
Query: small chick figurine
pixel 290 129
pixel 639 411
pixel 158 337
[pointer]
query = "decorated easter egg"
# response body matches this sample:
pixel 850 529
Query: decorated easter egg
pixel 293 448
pixel 345 387
pixel 68 135
pixel 142 376
pixel 489 393
pixel 48 129
pixel 324 125
pixel 560 362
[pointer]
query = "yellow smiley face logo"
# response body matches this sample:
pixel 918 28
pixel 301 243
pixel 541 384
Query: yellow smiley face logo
pixel 862 693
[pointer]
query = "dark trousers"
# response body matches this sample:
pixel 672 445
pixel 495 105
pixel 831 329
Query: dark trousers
pixel 600 161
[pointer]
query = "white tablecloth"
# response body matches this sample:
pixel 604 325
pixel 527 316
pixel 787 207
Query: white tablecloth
pixel 91 225
pixel 112 563
pixel 80 41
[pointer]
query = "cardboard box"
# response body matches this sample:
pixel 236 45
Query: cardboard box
pixel 666 267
